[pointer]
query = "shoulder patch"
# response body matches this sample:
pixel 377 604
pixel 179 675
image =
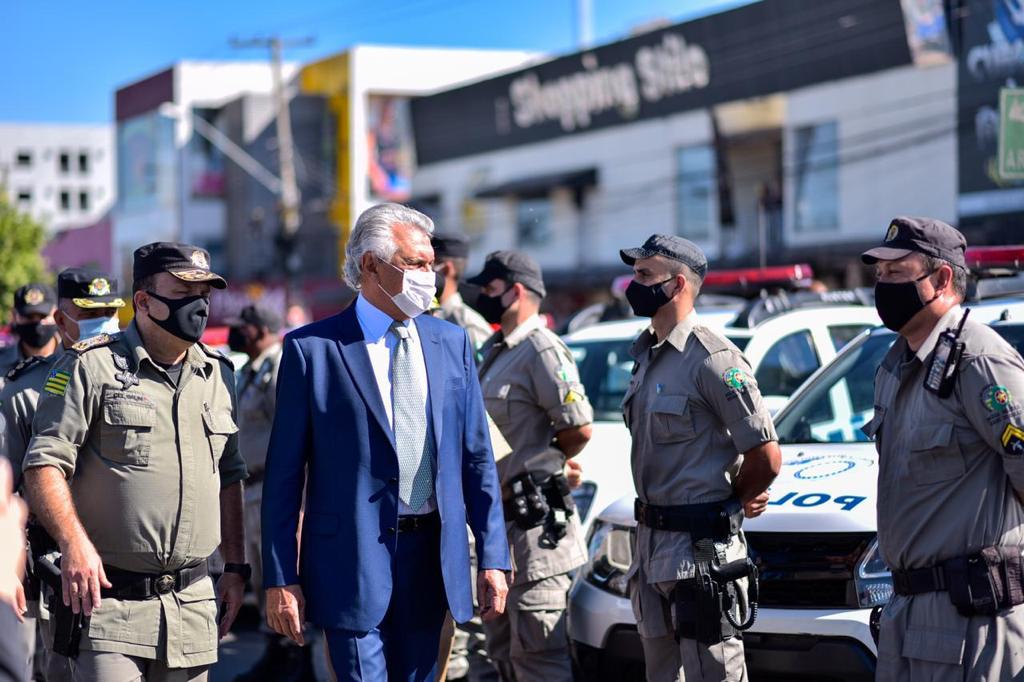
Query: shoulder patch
pixel 23 366
pixel 735 378
pixel 996 398
pixel 572 397
pixel 712 342
pixel 57 382
pixel 1013 440
pixel 95 342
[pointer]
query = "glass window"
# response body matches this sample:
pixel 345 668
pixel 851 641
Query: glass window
pixel 83 200
pixel 83 162
pixel 65 162
pixel 65 200
pixel 24 196
pixel 696 191
pixel 605 369
pixel 842 334
pixel 816 177
pixel 787 364
pixel 23 159
pixel 533 221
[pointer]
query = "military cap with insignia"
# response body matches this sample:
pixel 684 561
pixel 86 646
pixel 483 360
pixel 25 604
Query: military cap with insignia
pixel 186 262
pixel 88 288
pixel 35 298
pixel 907 235
pixel 672 247
pixel 511 266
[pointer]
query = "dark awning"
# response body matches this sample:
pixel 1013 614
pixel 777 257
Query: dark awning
pixel 538 186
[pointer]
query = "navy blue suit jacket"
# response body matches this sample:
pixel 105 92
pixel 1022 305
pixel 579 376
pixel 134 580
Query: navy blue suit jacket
pixel 331 421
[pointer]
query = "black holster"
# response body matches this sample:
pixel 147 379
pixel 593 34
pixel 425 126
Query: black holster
pixel 985 583
pixel 703 605
pixel 67 625
pixel 541 500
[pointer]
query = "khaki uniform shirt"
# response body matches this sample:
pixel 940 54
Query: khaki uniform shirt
pixel 146 460
pixel 257 393
pixel 532 391
pixel 692 407
pixel 456 311
pixel 947 472
pixel 18 401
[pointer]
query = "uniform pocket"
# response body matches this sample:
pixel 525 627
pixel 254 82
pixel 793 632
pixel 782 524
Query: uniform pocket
pixel 670 419
pixel 935 455
pixel 496 399
pixel 198 617
pixel 540 616
pixel 126 432
pixel 934 646
pixel 219 427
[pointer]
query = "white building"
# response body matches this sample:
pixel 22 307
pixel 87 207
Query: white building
pixel 62 175
pixel 812 133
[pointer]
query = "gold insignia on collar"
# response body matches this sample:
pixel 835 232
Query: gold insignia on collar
pixel 894 231
pixel 199 260
pixel 99 287
pixel 34 297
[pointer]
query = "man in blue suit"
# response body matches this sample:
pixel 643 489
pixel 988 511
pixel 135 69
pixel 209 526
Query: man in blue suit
pixel 380 417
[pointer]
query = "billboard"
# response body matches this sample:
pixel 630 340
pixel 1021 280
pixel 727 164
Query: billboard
pixel 390 145
pixel 145 162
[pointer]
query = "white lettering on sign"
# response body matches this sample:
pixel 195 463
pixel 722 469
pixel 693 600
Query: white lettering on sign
pixel 658 71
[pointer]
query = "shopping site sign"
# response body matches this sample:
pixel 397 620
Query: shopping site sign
pixel 1011 133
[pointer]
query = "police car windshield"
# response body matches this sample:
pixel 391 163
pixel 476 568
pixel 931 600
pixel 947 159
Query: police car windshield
pixel 605 368
pixel 840 400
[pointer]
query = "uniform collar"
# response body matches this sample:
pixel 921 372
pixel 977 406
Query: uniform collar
pixel 677 337
pixel 945 322
pixel 194 357
pixel 374 322
pixel 524 329
pixel 258 361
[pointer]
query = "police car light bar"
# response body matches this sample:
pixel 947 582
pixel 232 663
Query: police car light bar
pixel 778 274
pixel 987 257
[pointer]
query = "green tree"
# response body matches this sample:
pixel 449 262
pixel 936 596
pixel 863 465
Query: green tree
pixel 21 244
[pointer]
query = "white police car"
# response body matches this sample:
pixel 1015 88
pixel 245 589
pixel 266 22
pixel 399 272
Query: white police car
pixel 815 546
pixel 785 338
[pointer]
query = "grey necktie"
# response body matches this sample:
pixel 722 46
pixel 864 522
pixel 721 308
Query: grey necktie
pixel 412 437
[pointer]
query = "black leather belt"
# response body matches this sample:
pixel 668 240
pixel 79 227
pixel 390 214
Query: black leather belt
pixel 138 586
pixel 919 580
pixel 708 519
pixel 411 524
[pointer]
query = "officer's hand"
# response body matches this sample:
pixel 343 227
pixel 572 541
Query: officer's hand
pixel 20 604
pixel 230 592
pixel 756 506
pixel 491 590
pixel 574 473
pixel 286 612
pixel 81 575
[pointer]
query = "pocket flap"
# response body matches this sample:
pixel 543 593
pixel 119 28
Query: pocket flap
pixel 320 524
pixel 119 410
pixel 931 436
pixel 198 591
pixel 669 404
pixel 936 646
pixel 222 424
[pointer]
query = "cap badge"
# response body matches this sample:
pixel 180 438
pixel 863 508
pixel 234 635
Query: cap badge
pixel 893 232
pixel 99 287
pixel 34 297
pixel 199 260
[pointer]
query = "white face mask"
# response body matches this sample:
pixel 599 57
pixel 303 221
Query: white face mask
pixel 87 329
pixel 418 289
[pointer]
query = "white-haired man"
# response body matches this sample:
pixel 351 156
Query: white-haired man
pixel 381 406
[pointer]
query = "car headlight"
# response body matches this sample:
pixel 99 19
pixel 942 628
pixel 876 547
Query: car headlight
pixel 611 552
pixel 583 496
pixel 873 579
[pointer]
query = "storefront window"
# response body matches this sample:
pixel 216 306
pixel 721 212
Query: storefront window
pixel 696 191
pixel 533 221
pixel 816 175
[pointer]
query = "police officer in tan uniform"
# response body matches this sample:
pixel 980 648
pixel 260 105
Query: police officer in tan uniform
pixel 134 470
pixel 450 254
pixel 704 452
pixel 33 326
pixel 950 437
pixel 533 393
pixel 87 303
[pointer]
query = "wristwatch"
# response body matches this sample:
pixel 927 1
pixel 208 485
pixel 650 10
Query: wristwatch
pixel 244 570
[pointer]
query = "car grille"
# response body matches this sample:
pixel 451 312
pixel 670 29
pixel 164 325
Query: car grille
pixel 808 570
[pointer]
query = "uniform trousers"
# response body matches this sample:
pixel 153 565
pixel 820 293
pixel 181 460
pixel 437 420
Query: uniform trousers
pixel 403 646
pixel 103 666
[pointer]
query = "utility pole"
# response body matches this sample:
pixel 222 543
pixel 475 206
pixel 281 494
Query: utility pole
pixel 289 196
pixel 584 24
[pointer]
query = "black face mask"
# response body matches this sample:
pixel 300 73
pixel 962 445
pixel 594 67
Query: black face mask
pixel 237 340
pixel 646 300
pixel 188 317
pixel 491 307
pixel 898 302
pixel 34 334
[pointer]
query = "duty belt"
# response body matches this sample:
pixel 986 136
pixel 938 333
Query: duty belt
pixel 134 586
pixel 919 580
pixel 716 520
pixel 978 584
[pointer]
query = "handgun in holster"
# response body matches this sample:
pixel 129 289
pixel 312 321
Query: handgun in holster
pixel 67 625
pixel 548 503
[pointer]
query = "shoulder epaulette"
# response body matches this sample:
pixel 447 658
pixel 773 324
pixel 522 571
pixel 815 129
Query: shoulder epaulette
pixel 95 342
pixel 543 339
pixel 712 342
pixel 23 367
pixel 214 353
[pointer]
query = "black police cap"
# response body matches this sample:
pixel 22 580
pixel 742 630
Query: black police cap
pixel 88 288
pixel 35 299
pixel 511 266
pixel 186 262
pixel 908 234
pixel 672 247
pixel 258 315
pixel 449 245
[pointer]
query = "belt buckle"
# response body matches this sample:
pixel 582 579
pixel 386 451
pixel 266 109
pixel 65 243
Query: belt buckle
pixel 164 584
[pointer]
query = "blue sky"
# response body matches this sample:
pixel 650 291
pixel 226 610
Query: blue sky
pixel 62 61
